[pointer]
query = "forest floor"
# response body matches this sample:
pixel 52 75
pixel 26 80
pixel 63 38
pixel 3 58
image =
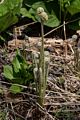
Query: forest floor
pixel 62 99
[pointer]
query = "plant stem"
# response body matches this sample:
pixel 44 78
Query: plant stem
pixel 42 69
pixel 65 40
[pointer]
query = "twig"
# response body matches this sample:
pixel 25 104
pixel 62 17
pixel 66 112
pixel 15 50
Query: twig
pixel 63 91
pixel 42 109
pixel 61 26
pixel 13 110
pixel 61 104
pixel 28 114
pixel 16 85
pixel 27 24
pixel 16 114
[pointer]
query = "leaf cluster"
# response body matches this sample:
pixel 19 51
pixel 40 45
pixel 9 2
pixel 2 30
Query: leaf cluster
pixel 57 10
pixel 20 72
pixel 9 10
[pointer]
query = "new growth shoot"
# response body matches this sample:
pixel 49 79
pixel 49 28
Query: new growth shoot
pixel 41 67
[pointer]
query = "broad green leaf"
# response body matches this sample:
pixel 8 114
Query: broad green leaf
pixel 53 20
pixel 22 60
pixel 16 64
pixel 63 4
pixel 8 72
pixel 18 61
pixel 8 11
pixel 15 89
pixel 9 5
pixel 7 20
pixel 26 13
pixel 74 7
pixel 20 72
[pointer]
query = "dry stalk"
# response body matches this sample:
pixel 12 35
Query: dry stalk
pixel 76 53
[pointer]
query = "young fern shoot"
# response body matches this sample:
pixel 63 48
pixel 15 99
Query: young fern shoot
pixel 41 70
pixel 41 61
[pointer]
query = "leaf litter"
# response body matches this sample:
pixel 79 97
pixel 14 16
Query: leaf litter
pixel 62 99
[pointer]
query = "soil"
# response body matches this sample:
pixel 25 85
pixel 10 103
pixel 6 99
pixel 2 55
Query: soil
pixel 62 98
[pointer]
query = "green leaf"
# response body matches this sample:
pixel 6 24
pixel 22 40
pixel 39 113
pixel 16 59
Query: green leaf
pixel 16 64
pixel 26 13
pixel 2 38
pixel 8 11
pixel 20 72
pixel 74 7
pixel 15 89
pixel 53 20
pixel 64 4
pixel 8 72
pixel 7 20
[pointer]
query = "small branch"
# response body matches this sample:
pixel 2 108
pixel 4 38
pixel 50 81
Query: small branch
pixel 65 40
pixel 61 26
